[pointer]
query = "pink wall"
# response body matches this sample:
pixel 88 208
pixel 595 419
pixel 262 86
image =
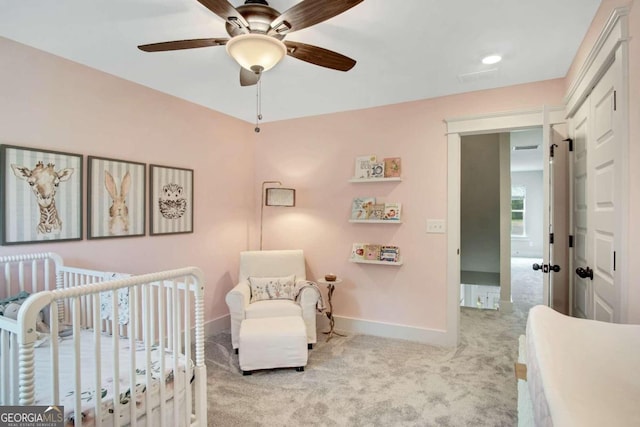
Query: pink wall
pixel 51 103
pixel 605 10
pixel 316 156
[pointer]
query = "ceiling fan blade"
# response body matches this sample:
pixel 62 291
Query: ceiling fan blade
pixel 182 44
pixel 226 11
pixel 319 56
pixel 308 13
pixel 248 77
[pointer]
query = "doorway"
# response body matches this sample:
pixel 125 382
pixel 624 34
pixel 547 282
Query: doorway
pixel 481 227
pixel 494 251
pixel 456 129
pixel 527 222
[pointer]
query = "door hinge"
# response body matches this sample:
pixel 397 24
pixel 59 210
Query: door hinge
pixel 570 240
pixel 570 141
pixel 614 260
pixel 615 100
pixel 551 238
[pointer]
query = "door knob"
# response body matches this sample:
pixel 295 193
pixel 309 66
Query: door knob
pixel 554 268
pixel 537 267
pixel 584 272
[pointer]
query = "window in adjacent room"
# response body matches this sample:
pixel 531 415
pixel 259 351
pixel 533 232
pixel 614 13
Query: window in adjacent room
pixel 518 203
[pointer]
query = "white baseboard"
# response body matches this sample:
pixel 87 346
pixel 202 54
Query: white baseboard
pixel 350 325
pixel 215 326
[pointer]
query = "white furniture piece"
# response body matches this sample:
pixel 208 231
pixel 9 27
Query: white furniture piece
pixel 274 263
pixel 582 372
pixel 274 342
pixel 128 341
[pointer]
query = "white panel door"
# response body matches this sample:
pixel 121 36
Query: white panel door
pixel 603 196
pixel 581 286
pixel 596 203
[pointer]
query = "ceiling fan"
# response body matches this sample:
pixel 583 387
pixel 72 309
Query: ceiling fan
pixel 257 31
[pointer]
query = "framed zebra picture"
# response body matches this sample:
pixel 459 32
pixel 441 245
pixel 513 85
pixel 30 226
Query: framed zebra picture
pixel 171 200
pixel 41 195
pixel 116 202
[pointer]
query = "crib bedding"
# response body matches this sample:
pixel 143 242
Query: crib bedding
pixel 66 371
pixel 582 372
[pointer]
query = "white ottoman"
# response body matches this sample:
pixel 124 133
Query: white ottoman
pixel 272 342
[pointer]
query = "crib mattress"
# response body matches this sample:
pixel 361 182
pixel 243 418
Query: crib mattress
pixel 43 377
pixel 582 372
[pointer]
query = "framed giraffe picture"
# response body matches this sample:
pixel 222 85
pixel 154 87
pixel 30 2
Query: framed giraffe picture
pixel 41 199
pixel 171 200
pixel 116 198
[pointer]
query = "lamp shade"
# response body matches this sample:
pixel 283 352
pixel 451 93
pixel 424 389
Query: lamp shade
pixel 281 197
pixel 256 52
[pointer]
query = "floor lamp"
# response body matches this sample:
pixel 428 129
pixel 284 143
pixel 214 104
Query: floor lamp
pixel 275 196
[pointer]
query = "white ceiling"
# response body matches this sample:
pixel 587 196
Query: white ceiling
pixel 406 49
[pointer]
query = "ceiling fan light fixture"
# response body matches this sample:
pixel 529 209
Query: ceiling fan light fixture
pixel 256 51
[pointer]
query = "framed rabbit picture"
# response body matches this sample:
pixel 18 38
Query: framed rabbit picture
pixel 116 198
pixel 171 200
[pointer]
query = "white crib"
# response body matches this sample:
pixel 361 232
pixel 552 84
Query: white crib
pixel 137 338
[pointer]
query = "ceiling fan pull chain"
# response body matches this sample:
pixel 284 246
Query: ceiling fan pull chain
pixel 258 105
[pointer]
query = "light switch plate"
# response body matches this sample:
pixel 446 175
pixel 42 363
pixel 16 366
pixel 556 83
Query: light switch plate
pixel 436 226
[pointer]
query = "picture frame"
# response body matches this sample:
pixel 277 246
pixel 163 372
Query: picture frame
pixel 116 199
pixel 41 195
pixel 170 200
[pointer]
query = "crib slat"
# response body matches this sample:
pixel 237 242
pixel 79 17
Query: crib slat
pixel 77 361
pixel 162 294
pixel 116 359
pixel 34 277
pixel 21 275
pixel 55 355
pixel 187 347
pixel 7 278
pixel 132 356
pixel 5 391
pixel 98 352
pixel 146 311
pixel 176 349
pixel 13 366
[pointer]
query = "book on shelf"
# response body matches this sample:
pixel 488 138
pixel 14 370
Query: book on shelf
pixel 363 166
pixel 377 170
pixel 375 211
pixel 392 167
pixel 361 206
pixel 372 252
pixel 357 252
pixel 392 211
pixel 389 253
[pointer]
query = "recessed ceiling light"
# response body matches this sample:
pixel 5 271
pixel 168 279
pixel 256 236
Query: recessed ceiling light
pixel 491 59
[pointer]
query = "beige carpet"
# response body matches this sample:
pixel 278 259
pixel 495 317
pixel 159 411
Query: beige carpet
pixel 368 381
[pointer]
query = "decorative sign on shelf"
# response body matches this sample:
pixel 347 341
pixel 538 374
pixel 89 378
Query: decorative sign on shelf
pixel 368 167
pixel 375 252
pixel 366 208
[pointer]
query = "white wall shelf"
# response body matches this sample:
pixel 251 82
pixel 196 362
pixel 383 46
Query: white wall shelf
pixel 375 221
pixel 389 179
pixel 370 261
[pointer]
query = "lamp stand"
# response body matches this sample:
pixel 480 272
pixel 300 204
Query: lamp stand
pixel 262 206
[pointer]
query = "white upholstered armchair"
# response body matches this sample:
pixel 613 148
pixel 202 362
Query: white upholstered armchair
pixel 271 264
